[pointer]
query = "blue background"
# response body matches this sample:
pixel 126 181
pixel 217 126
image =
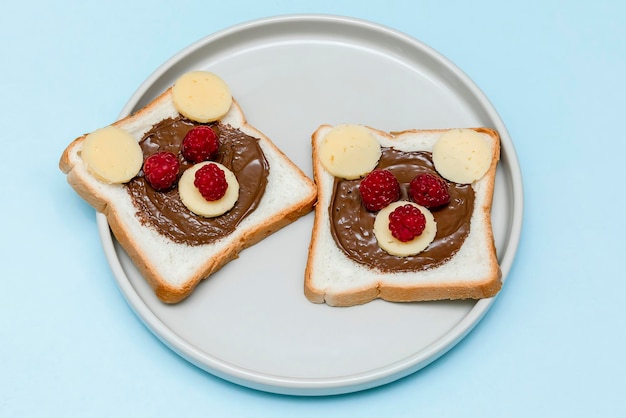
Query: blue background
pixel 552 345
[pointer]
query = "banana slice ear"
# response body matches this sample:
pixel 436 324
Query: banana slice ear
pixel 349 151
pixel 201 96
pixel 112 155
pixel 462 156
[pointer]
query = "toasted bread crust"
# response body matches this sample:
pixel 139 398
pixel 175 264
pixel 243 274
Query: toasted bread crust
pixel 409 291
pixel 99 195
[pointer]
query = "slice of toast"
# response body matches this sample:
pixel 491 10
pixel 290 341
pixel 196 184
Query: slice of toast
pixel 471 272
pixel 173 268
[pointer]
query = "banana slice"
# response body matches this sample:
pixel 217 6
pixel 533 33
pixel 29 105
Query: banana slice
pixel 462 155
pixel 349 151
pixel 112 155
pixel 201 96
pixel 394 246
pixel 193 200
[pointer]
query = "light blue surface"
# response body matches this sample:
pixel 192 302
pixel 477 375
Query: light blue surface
pixel 552 345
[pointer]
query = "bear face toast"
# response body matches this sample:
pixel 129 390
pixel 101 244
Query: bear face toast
pixel 410 222
pixel 186 183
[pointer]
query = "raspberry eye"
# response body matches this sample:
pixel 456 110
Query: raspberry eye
pixel 161 170
pixel 378 189
pixel 200 144
pixel 429 191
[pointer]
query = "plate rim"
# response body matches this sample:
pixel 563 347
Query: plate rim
pixel 334 385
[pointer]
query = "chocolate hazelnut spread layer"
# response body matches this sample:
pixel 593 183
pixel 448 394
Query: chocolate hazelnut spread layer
pixel 164 210
pixel 352 225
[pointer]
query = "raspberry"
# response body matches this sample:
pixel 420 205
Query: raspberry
pixel 211 182
pixel 429 190
pixel 406 222
pixel 378 189
pixel 200 144
pixel 161 170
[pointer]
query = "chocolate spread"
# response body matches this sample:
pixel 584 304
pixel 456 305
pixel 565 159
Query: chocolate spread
pixel 352 225
pixel 165 211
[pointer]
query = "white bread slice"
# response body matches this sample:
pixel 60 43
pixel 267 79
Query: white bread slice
pixel 174 269
pixel 472 273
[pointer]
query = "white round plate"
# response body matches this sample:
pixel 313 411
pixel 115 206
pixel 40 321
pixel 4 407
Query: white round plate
pixel 250 323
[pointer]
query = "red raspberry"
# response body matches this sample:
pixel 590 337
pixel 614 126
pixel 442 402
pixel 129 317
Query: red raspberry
pixel 161 170
pixel 429 190
pixel 378 189
pixel 211 182
pixel 406 222
pixel 200 144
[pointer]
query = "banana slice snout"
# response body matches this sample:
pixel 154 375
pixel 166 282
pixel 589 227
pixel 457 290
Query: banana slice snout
pixel 195 202
pixel 394 246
